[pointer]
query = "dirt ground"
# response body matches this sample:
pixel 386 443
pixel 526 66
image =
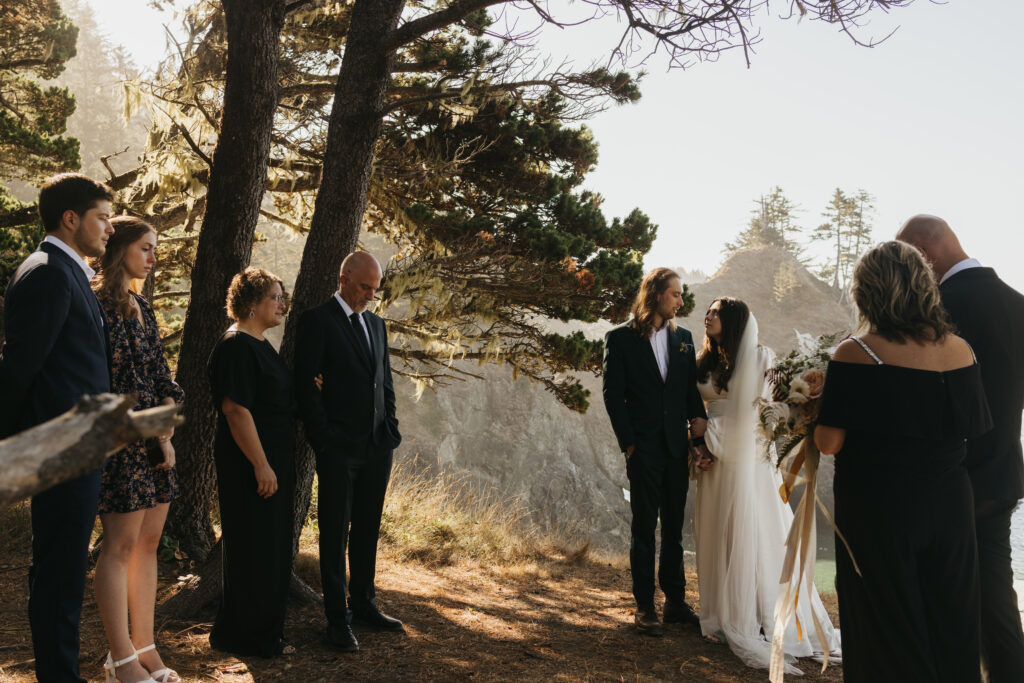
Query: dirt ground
pixel 548 620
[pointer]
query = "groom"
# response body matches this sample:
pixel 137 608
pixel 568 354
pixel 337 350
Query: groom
pixel 650 392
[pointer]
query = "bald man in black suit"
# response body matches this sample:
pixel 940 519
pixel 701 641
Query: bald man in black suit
pixel 989 314
pixel 352 426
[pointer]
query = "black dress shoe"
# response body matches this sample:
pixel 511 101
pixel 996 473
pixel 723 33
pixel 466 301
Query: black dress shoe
pixel 680 613
pixel 370 615
pixel 342 638
pixel 646 620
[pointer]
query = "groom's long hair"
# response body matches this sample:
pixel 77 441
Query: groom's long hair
pixel 716 358
pixel 645 307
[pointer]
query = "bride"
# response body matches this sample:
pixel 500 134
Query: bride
pixel 741 521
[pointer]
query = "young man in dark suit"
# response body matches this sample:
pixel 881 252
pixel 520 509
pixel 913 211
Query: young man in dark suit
pixel 989 314
pixel 55 352
pixel 650 392
pixel 350 422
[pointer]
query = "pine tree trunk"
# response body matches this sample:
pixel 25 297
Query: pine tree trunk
pixel 839 252
pixel 237 182
pixel 356 122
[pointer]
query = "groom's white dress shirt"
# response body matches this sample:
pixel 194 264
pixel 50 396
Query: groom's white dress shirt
pixel 963 265
pixel 659 342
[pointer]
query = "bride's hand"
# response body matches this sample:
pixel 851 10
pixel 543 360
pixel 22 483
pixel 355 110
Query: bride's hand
pixel 704 458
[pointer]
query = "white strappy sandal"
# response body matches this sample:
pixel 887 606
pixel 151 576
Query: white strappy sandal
pixel 165 675
pixel 110 666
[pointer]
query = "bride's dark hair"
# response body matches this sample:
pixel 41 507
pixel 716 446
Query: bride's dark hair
pixel 716 358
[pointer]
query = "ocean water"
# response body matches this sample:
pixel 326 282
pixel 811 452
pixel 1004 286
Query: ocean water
pixel 1017 555
pixel 1017 543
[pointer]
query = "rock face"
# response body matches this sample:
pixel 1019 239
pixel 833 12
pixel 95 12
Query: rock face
pixel 512 436
pixel 782 294
pixel 566 467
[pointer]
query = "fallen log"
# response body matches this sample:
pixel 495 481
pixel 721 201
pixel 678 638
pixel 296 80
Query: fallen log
pixel 75 443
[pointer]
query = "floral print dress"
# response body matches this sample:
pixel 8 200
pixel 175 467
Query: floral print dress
pixel 138 365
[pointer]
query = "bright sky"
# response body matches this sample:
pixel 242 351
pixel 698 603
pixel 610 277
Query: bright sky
pixel 929 121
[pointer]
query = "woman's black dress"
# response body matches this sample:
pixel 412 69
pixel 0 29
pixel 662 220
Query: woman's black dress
pixel 904 503
pixel 256 532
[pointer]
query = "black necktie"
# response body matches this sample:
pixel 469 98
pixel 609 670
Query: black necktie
pixel 357 327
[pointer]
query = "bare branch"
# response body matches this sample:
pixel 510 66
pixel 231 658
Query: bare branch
pixel 172 337
pixel 192 143
pixel 106 157
pixel 171 295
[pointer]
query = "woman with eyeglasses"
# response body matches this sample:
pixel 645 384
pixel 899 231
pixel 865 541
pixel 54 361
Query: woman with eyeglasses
pixel 253 454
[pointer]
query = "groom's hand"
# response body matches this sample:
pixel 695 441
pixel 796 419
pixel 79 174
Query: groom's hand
pixel 698 426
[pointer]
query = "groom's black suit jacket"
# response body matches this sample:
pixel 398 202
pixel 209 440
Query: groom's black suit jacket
pixel 989 314
pixel 641 406
pixel 357 403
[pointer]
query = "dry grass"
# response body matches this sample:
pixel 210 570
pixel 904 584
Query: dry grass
pixel 442 519
pixel 483 594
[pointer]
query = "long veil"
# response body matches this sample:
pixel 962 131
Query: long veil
pixel 735 574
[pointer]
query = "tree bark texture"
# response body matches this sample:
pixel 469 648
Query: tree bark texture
pixel 237 182
pixel 357 116
pixel 74 443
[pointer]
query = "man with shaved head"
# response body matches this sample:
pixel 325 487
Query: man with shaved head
pixel 347 401
pixel 989 314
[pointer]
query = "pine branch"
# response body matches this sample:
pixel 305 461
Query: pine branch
pixel 460 9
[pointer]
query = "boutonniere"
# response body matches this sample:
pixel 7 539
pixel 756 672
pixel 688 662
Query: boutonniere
pixel 685 348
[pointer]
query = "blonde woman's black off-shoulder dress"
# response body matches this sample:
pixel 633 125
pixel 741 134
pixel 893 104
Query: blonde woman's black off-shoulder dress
pixel 904 503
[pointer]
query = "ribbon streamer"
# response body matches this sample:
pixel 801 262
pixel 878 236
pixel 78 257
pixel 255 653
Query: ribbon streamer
pixel 801 547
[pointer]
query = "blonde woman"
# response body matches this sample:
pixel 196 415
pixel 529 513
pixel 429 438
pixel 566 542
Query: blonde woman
pixel 900 401
pixel 134 495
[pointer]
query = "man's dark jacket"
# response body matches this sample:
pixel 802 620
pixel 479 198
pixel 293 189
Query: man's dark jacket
pixel 641 406
pixel 56 347
pixel 989 314
pixel 357 403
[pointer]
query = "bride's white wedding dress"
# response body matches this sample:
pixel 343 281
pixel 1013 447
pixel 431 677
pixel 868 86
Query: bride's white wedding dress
pixel 742 523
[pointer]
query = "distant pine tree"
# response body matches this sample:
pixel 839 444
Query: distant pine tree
pixel 772 224
pixel 847 230
pixel 36 40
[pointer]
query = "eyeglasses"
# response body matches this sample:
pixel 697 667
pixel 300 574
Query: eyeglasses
pixel 278 298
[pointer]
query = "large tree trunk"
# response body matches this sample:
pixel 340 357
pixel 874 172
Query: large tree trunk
pixel 75 443
pixel 356 120
pixel 237 182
